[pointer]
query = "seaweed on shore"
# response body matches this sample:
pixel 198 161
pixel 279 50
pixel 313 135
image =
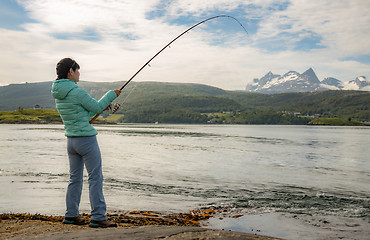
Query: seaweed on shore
pixel 27 216
pixel 135 218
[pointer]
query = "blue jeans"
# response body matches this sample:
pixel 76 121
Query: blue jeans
pixel 85 151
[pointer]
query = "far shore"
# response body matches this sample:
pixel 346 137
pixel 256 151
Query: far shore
pixel 318 123
pixel 39 116
pixel 51 123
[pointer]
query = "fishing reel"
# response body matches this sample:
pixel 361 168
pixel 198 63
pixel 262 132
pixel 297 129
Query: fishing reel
pixel 114 108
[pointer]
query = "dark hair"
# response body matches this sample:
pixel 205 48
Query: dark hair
pixel 63 67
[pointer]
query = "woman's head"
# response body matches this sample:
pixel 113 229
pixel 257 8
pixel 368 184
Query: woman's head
pixel 68 68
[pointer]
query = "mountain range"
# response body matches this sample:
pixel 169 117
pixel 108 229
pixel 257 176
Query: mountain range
pixel 293 81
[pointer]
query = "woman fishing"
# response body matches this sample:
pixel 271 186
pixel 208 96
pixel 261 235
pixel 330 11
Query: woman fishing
pixel 75 106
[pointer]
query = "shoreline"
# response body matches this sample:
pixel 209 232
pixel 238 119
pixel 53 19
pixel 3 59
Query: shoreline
pixel 131 225
pixel 51 123
pixel 115 123
pixel 198 224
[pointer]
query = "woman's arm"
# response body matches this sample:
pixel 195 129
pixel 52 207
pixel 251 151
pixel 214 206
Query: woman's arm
pixel 93 106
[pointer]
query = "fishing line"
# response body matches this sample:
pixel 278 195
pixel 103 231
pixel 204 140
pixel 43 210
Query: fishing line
pixel 168 45
pixel 124 100
pixel 114 107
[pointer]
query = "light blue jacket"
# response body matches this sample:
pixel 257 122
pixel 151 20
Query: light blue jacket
pixel 75 106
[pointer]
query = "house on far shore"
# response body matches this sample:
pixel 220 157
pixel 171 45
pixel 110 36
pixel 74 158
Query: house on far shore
pixel 37 107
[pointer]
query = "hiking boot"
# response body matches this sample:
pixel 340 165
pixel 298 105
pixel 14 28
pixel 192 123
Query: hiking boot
pixel 102 224
pixel 74 220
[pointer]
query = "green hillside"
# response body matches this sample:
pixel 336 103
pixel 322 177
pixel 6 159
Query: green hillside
pixel 194 103
pixel 26 95
pixel 29 94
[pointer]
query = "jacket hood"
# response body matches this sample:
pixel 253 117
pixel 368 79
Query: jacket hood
pixel 62 87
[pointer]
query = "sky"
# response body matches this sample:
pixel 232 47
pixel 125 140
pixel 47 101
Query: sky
pixel 112 39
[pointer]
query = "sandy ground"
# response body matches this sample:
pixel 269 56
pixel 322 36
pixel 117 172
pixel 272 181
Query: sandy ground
pixel 200 224
pixel 131 225
pixel 36 229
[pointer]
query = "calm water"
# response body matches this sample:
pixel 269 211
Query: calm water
pixel 176 168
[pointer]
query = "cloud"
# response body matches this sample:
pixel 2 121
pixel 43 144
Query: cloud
pixel 342 26
pixel 112 39
pixel 71 16
pixel 194 7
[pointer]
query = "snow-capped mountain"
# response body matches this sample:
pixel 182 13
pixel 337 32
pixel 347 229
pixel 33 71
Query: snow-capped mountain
pixel 360 83
pixel 332 83
pixel 293 81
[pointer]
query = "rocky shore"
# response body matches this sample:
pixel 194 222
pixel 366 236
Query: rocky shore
pixel 131 225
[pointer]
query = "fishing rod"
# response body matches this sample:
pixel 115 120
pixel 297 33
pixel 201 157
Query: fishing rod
pixel 115 108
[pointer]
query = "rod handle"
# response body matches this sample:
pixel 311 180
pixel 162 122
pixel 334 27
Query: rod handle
pixel 93 118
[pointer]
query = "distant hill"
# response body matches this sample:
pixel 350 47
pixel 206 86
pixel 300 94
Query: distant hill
pixel 162 97
pixel 27 95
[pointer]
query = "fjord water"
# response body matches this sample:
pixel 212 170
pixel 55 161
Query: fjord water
pixel 298 170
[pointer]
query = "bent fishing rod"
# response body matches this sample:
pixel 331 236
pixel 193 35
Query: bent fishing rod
pixel 115 108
